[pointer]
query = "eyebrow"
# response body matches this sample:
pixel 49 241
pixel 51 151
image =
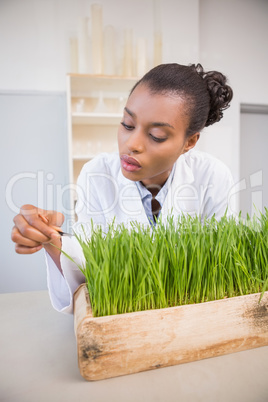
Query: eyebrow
pixel 155 124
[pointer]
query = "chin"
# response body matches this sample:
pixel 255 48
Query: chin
pixel 130 175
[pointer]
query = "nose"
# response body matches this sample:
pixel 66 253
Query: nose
pixel 135 141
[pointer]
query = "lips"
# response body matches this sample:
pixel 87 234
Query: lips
pixel 130 160
pixel 129 164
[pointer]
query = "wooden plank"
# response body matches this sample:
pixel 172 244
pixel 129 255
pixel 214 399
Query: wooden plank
pixel 128 343
pixel 82 306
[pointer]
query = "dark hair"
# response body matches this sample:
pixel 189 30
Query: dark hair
pixel 206 94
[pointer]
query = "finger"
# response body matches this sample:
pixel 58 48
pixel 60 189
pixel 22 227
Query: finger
pixel 44 219
pixel 34 221
pixel 38 231
pixel 28 209
pixel 21 240
pixel 27 250
pixel 52 218
pixel 47 222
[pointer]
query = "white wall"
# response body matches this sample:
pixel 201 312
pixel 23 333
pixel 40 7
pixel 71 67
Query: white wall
pixel 33 156
pixel 34 43
pixel 229 35
pixel 233 39
pixel 254 171
pixel 35 34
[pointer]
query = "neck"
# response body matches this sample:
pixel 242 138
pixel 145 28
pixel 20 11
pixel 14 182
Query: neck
pixel 153 188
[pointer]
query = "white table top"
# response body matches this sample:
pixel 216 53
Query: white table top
pixel 38 362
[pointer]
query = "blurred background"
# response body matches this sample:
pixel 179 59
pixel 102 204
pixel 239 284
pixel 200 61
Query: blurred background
pixel 45 112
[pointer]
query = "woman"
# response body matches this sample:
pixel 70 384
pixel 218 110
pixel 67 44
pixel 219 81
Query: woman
pixel 156 173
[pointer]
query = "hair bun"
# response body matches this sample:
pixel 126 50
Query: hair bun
pixel 220 93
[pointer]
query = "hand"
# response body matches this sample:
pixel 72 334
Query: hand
pixel 31 233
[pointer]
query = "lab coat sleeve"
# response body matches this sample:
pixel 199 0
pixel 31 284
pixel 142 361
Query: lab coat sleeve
pixel 61 286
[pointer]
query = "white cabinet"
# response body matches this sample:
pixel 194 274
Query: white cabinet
pixel 95 105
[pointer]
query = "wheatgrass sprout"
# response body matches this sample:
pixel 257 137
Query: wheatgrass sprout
pixel 176 263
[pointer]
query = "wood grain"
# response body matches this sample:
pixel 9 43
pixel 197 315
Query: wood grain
pixel 129 343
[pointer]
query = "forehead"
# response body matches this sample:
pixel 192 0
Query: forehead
pixel 143 103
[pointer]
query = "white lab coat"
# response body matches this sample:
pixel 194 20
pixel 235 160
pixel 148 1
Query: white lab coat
pixel 200 185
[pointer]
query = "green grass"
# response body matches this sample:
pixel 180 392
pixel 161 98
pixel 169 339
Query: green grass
pixel 174 264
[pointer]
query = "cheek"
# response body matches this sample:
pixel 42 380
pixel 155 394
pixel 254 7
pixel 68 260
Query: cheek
pixel 119 136
pixel 171 148
pixel 176 147
pixel 170 153
pixel 122 137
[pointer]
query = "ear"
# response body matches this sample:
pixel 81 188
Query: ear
pixel 191 142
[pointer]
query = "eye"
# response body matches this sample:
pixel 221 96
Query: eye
pixel 157 139
pixel 127 127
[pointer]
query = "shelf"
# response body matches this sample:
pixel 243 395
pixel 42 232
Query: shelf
pixel 83 157
pixel 104 119
pixel 95 109
pixel 83 84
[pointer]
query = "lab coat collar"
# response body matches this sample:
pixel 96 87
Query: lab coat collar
pixel 134 199
pixel 183 176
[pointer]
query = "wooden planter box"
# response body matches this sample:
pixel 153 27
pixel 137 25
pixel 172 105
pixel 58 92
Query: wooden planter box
pixel 122 344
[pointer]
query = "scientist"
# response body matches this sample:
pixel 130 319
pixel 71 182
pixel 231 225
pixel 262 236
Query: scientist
pixel 156 173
